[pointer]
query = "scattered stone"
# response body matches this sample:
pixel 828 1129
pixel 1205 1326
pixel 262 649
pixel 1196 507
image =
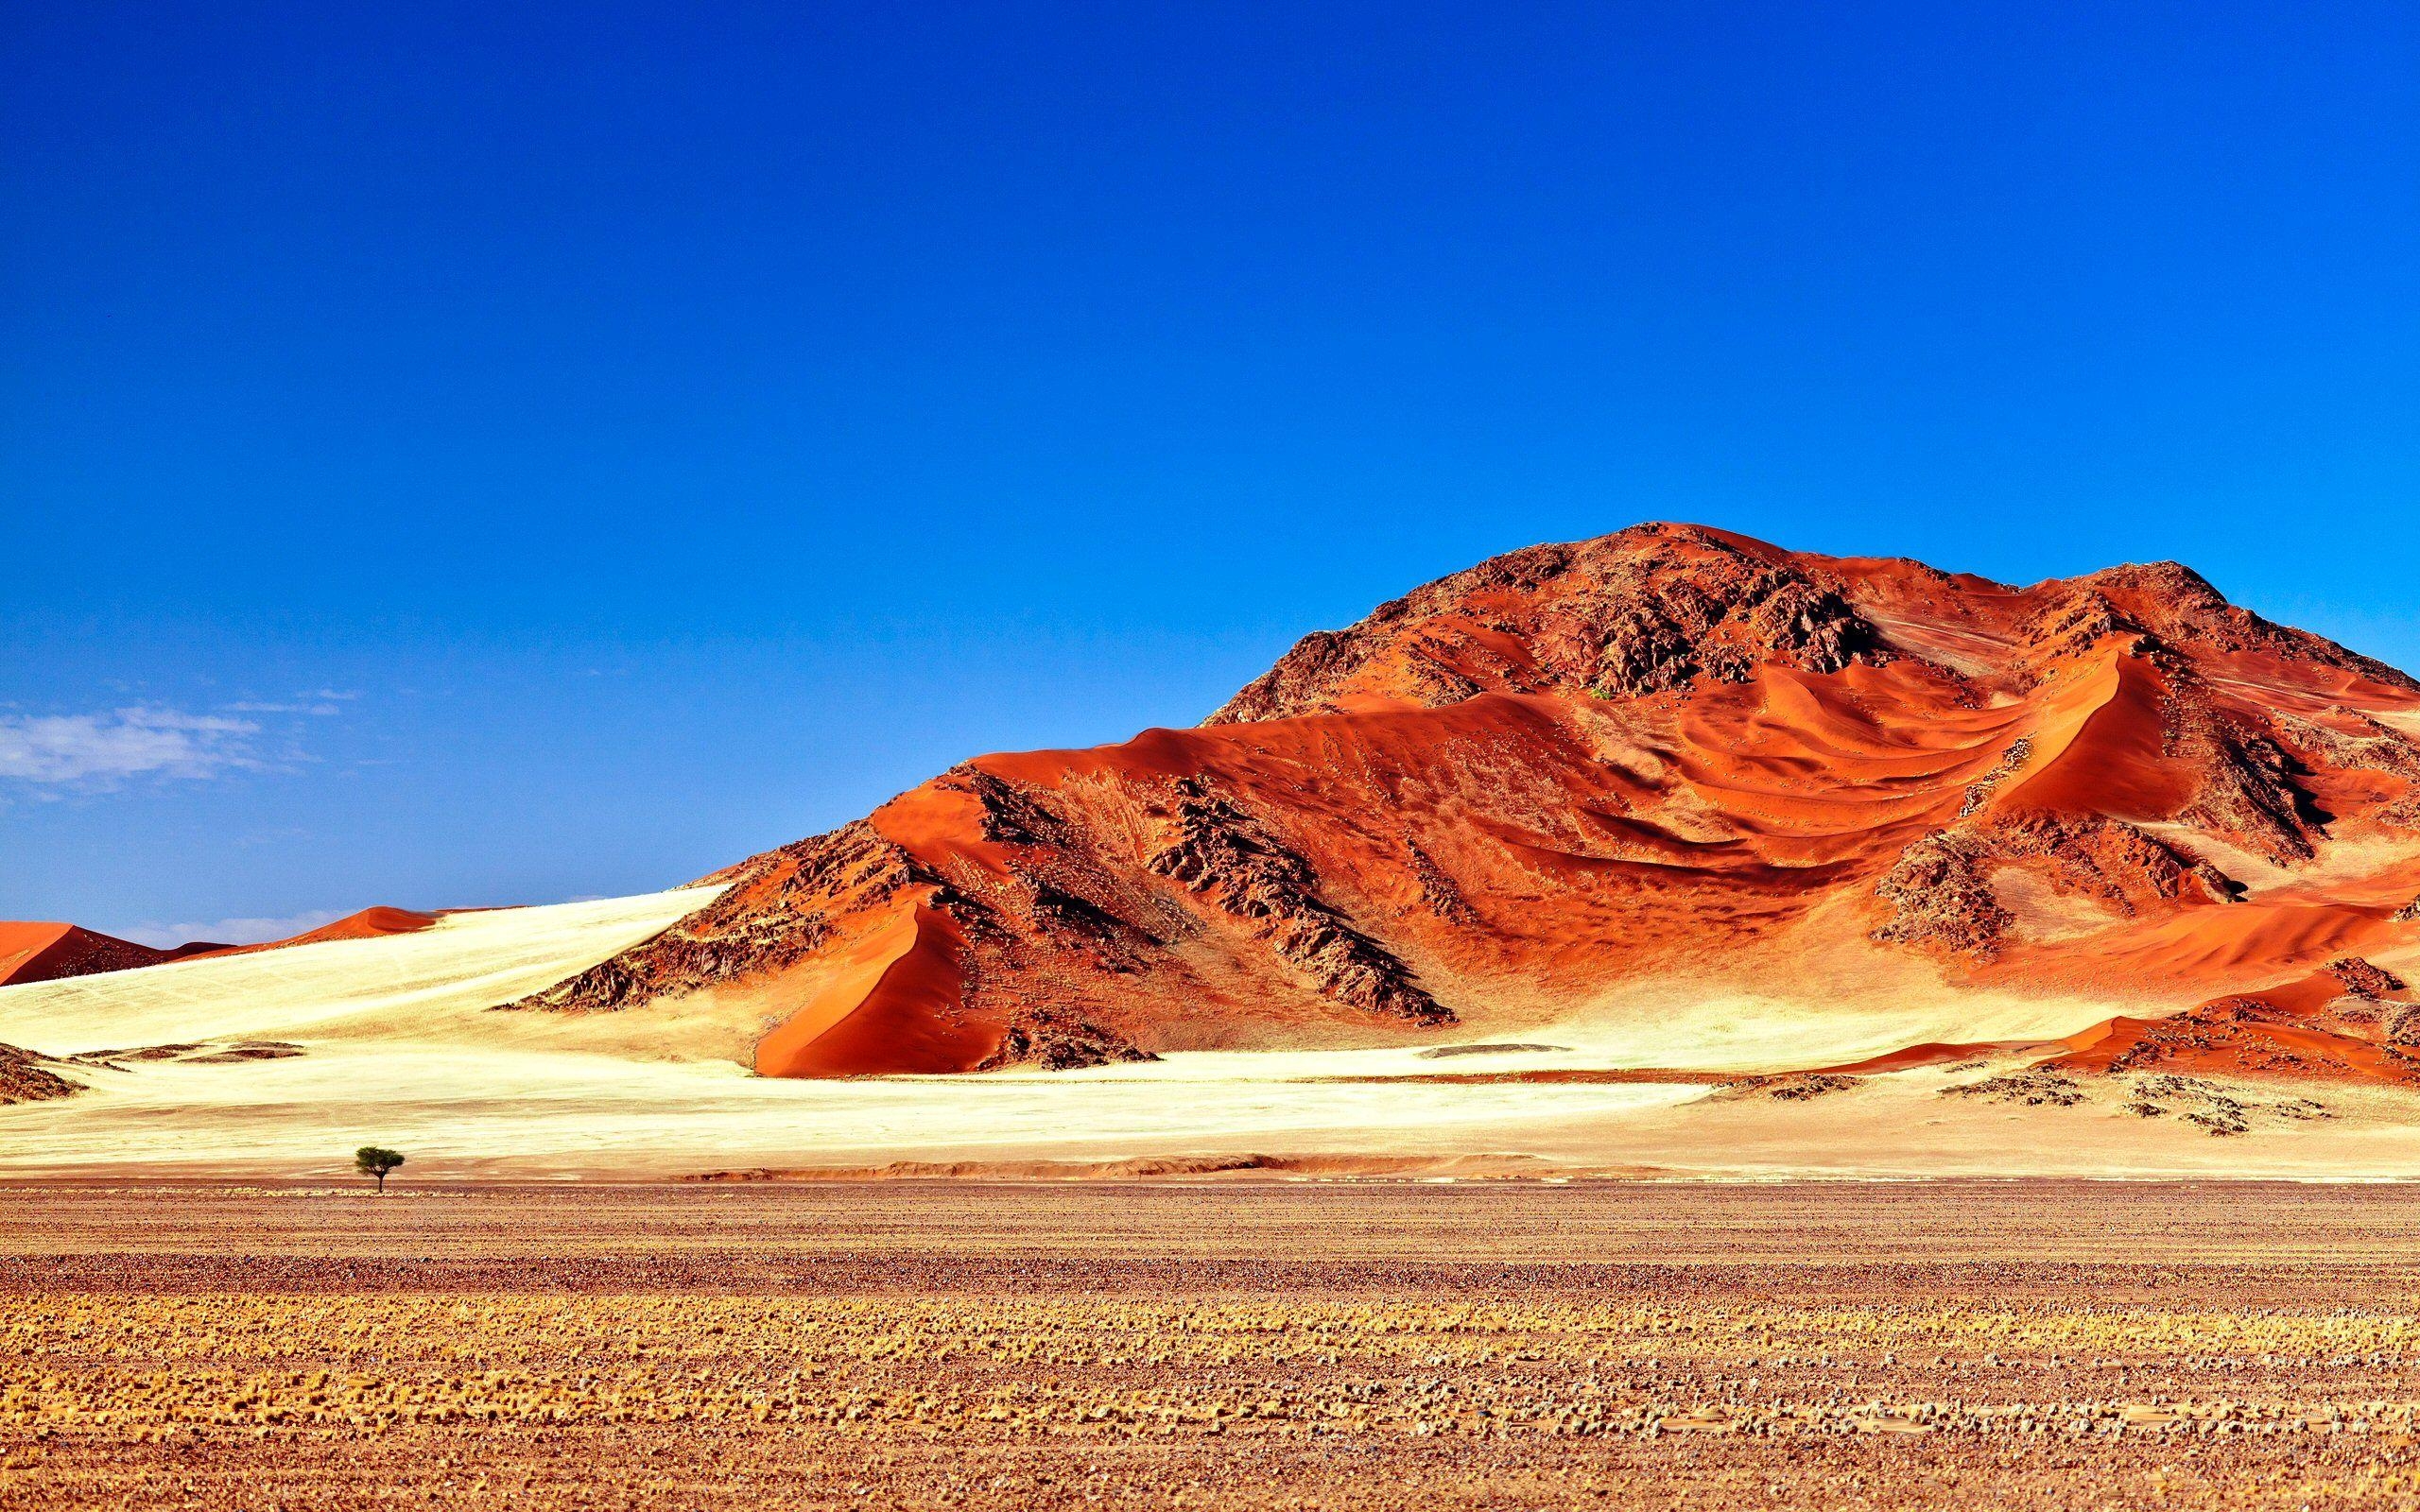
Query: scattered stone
pixel 2032 1087
pixel 1789 1086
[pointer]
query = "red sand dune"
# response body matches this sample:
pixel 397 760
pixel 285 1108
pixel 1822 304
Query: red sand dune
pixel 46 951
pixel 369 924
pixel 1671 750
pixel 33 951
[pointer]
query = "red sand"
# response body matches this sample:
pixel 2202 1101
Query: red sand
pixel 48 952
pixel 33 951
pixel 2311 1028
pixel 1669 752
pixel 369 924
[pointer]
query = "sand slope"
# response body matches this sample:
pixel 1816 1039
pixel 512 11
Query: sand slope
pixel 393 985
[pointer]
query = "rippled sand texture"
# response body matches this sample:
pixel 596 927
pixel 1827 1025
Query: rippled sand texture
pixel 1504 1345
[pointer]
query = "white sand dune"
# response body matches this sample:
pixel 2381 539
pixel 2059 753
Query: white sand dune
pixel 467 962
pixel 398 1047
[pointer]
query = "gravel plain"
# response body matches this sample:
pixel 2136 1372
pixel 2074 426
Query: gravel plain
pixel 1238 1344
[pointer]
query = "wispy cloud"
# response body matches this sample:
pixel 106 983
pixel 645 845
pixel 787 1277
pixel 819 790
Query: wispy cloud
pixel 103 750
pixel 247 708
pixel 228 931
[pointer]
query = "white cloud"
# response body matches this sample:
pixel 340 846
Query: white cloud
pixel 230 930
pixel 301 703
pixel 102 750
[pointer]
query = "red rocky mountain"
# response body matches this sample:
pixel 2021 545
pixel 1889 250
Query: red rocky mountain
pixel 1526 794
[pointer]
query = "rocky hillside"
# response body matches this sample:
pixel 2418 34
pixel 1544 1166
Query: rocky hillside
pixel 1523 793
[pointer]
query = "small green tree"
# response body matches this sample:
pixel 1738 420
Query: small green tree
pixel 371 1161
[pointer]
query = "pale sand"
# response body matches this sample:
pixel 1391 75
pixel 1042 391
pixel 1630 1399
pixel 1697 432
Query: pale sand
pixel 399 1048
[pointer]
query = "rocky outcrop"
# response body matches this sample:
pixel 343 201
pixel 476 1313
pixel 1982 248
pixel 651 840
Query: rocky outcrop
pixel 2109 861
pixel 1652 610
pixel 2365 744
pixel 773 913
pixel 1319 662
pixel 1940 898
pixel 2362 979
pixel 1980 792
pixel 27 1077
pixel 2072 624
pixel 1439 892
pixel 1237 866
pixel 1057 1041
pixel 2247 783
pixel 1942 894
pixel 2182 609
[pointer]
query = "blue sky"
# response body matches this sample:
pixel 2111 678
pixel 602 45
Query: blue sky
pixel 462 453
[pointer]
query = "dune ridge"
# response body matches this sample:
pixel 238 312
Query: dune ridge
pixel 36 952
pixel 46 951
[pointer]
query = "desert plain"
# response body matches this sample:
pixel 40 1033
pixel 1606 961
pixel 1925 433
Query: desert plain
pixel 1661 1020
pixel 1200 1342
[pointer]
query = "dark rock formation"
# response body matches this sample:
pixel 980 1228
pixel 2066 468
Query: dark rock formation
pixel 27 1077
pixel 1237 866
pixel 1060 1042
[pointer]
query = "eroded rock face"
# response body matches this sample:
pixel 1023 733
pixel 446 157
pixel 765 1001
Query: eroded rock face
pixel 1652 610
pixel 2248 786
pixel 777 911
pixel 1215 852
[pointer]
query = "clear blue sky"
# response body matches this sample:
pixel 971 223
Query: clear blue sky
pixel 671 430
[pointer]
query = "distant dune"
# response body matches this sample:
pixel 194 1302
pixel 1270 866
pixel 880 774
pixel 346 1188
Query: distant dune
pixel 47 952
pixel 33 951
pixel 367 923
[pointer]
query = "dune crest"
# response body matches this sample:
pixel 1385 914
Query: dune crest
pixel 31 951
pixel 38 951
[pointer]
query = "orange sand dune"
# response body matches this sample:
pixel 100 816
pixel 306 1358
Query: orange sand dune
pixel 48 952
pixel 31 951
pixel 2351 1022
pixel 2254 1035
pixel 1518 794
pixel 367 923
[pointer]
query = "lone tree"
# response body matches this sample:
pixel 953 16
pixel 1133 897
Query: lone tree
pixel 371 1161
